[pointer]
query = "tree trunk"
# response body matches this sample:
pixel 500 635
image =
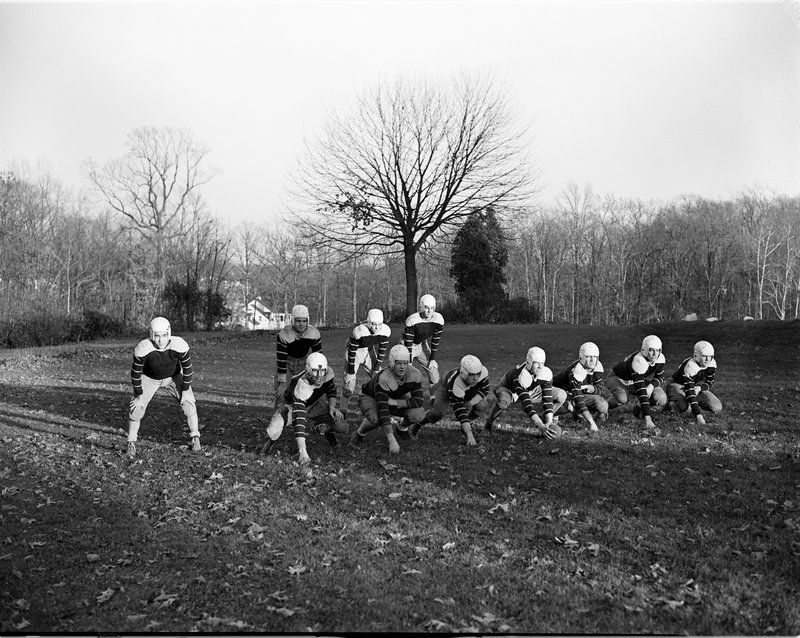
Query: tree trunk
pixel 410 258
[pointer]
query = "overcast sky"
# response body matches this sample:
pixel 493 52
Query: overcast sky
pixel 640 100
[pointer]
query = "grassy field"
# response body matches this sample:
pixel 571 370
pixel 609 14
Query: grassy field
pixel 677 531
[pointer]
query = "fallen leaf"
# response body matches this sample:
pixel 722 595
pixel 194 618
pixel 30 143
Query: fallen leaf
pixel 105 596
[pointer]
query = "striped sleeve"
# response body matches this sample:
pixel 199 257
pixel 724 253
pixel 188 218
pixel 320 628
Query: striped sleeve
pixel 299 417
pixel 436 337
pixel 576 394
pixel 281 354
pixel 352 348
pixel 408 336
pixel 382 399
pixel 383 346
pixel 136 374
pixel 186 370
pixel 709 381
pixel 658 375
pixel 417 398
pixel 547 395
pixel 640 390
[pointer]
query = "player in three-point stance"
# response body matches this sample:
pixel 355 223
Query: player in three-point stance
pixel 531 383
pixel 366 346
pixel 309 399
pixel 583 382
pixel 690 387
pixel 421 335
pixel 464 389
pixel 162 361
pixel 292 345
pixel 392 399
pixel 640 375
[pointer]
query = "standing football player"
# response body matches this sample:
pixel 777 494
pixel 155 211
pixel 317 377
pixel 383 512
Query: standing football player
pixel 391 400
pixel 691 383
pixel 293 344
pixel 464 389
pixel 309 399
pixel 583 382
pixel 531 383
pixel 640 375
pixel 366 346
pixel 162 361
pixel 422 335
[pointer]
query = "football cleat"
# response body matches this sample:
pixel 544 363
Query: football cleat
pixel 131 449
pixel 357 439
pixel 194 446
pixel 330 437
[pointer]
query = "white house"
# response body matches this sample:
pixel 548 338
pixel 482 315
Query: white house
pixel 259 317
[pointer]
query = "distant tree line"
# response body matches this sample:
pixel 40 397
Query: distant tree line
pixel 425 193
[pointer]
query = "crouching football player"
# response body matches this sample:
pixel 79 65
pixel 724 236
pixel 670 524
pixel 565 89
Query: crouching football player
pixel 162 361
pixel 309 399
pixel 366 346
pixel 692 381
pixel 393 394
pixel 641 375
pixel 464 389
pixel 583 382
pixel 531 383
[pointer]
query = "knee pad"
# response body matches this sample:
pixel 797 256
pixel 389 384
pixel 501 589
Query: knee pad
pixel 137 409
pixel 276 425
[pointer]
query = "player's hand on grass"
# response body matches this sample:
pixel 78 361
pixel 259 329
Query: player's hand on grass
pixel 701 420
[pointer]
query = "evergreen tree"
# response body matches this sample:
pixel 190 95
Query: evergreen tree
pixel 477 265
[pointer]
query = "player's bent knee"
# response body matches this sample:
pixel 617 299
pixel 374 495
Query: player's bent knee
pixel 137 410
pixel 276 425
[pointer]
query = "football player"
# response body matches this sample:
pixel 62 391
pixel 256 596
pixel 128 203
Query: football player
pixel 583 382
pixel 422 335
pixel 392 400
pixel 640 375
pixel 162 361
pixel 309 399
pixel 293 344
pixel 691 383
pixel 531 383
pixel 464 389
pixel 366 346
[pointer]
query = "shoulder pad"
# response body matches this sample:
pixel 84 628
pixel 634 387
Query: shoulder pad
pixel 691 368
pixel 661 359
pixel 303 390
pixel 413 375
pixel 329 375
pixel 413 320
pixel 437 318
pixel 579 372
pixel 545 375
pixel 525 378
pixel 484 374
pixel 143 348
pixel 287 334
pixel 178 345
pixel 640 365
pixel 599 368
pixel 360 330
pixel 385 330
pixel 387 380
pixel 310 333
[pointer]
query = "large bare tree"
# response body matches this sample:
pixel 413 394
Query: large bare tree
pixel 155 186
pixel 412 162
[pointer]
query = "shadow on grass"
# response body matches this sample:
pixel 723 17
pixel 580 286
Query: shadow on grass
pixel 225 421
